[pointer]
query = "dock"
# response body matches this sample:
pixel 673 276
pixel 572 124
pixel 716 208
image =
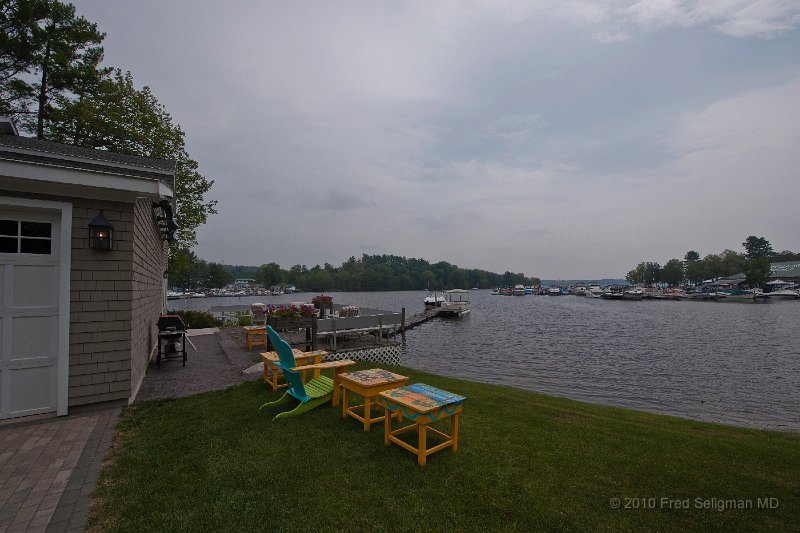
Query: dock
pixel 416 320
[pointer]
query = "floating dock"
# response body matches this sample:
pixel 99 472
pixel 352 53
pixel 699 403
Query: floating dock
pixel 416 320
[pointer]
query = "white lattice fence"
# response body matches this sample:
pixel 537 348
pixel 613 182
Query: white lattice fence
pixel 388 355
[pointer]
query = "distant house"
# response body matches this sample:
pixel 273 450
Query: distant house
pixel 786 271
pixel 77 321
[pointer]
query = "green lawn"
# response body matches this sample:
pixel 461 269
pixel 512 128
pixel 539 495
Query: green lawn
pixel 213 462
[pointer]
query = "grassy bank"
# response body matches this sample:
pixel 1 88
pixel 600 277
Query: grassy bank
pixel 213 462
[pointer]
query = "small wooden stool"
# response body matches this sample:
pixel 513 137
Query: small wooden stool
pixel 422 404
pixel 368 384
pixel 250 334
pixel 272 371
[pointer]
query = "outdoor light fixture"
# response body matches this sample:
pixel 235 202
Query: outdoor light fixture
pixel 101 233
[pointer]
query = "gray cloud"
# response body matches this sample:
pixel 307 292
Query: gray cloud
pixel 559 139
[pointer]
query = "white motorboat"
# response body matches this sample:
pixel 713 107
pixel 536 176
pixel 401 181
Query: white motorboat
pixel 596 290
pixel 782 290
pixel 554 291
pixel 456 303
pixel 519 290
pixel 433 299
pixel 633 294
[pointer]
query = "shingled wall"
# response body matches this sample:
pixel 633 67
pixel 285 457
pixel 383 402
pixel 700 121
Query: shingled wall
pixel 101 306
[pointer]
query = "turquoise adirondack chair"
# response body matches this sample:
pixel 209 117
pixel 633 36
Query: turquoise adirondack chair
pixel 311 394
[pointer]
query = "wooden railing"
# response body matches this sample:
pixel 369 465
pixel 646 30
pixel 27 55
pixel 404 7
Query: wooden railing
pixel 375 324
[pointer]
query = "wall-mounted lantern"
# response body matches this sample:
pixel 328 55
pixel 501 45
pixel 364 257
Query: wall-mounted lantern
pixel 101 233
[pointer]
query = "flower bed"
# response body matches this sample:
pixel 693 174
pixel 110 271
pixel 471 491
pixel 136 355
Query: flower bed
pixel 288 317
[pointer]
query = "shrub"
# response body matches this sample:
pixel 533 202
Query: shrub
pixel 197 319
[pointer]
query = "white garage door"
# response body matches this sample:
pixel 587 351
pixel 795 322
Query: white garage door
pixel 29 310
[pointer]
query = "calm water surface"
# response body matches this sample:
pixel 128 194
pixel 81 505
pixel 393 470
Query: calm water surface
pixel 717 361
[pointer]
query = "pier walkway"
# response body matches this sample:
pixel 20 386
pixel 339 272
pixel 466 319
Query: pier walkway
pixel 416 320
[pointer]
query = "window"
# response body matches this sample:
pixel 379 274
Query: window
pixel 25 237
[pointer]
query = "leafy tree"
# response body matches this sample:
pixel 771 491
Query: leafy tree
pixel 269 274
pixel 757 272
pixel 652 273
pixel 694 271
pixel 757 248
pixel 691 255
pixel 672 272
pixel 47 44
pixel 217 276
pixel 786 255
pixel 180 267
pixel 732 262
pixel 637 274
pixel 123 119
pixel 18 22
pixel 712 266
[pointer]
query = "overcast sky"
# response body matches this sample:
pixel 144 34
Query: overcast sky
pixel 562 139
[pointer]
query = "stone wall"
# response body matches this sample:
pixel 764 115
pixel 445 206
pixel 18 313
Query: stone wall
pixel 149 264
pixel 101 292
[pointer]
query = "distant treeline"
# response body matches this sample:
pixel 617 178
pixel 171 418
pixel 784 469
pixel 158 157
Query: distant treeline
pixel 754 264
pixel 369 273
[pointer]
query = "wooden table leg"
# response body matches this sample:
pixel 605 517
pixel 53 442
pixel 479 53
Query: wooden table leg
pixel 423 444
pixel 367 412
pixel 454 431
pixel 345 401
pixel 387 426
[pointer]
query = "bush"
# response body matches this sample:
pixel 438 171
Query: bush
pixel 197 319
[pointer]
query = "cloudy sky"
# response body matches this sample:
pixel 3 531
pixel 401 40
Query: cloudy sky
pixel 562 139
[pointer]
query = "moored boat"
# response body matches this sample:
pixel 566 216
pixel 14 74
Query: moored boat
pixel 456 303
pixel 433 299
pixel 519 290
pixel 632 294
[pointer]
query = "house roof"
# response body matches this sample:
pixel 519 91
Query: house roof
pixel 786 269
pixel 29 159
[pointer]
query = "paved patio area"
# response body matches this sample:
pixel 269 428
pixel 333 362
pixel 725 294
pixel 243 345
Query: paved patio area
pixel 49 468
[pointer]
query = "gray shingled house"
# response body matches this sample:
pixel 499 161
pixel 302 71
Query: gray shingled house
pixel 78 305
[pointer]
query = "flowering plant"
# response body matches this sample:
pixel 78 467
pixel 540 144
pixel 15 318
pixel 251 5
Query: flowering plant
pixel 290 311
pixel 321 299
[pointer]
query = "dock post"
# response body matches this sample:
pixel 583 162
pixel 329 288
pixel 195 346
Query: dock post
pixel 403 320
pixel 314 328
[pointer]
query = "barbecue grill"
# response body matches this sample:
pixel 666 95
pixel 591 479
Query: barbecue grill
pixel 171 338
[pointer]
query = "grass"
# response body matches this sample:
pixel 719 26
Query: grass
pixel 213 462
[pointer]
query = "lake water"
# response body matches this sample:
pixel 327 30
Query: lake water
pixel 727 362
